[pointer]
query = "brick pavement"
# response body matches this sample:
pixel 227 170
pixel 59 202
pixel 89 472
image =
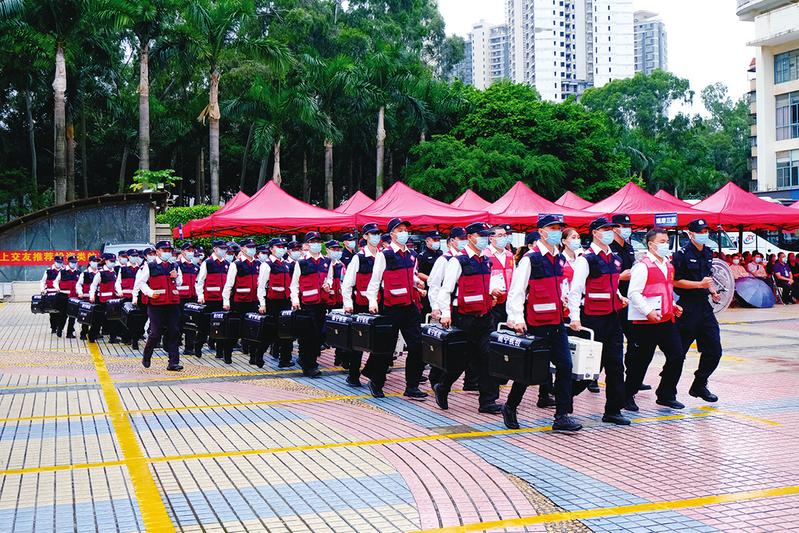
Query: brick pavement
pixel 91 441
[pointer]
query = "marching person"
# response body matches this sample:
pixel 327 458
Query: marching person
pixel 596 275
pixel 651 294
pixel 502 266
pixel 210 280
pixel 537 303
pixel 240 294
pixel 274 280
pixel 308 283
pixel 159 281
pixel 102 289
pixel 470 271
pixel 427 258
pixel 335 274
pixel 572 248
pixel 66 283
pixel 394 273
pixel 187 290
pixel 693 282
pixel 46 287
pixel 83 287
pixel 353 293
pixel 126 280
pixel 350 241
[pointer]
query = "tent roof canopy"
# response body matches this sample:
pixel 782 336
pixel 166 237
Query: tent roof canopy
pixel 642 207
pixel 520 207
pixel 665 195
pixel 741 209
pixel 471 200
pixel 357 202
pixel 569 199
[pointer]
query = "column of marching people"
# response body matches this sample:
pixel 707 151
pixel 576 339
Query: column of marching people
pixel 468 278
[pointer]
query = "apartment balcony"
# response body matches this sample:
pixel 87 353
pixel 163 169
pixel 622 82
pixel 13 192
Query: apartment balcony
pixel 749 9
pixel 751 163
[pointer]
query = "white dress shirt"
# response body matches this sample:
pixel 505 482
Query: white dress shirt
pixel 230 281
pixel 295 278
pixel 144 275
pixel 79 286
pixel 638 278
pixel 95 286
pixel 436 277
pixel 348 283
pixel 376 282
pixel 580 267
pixel 517 294
pixel 452 274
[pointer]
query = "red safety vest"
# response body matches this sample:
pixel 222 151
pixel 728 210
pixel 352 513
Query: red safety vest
pixel 68 282
pixel 602 284
pixel 506 271
pixel 163 284
pixel 474 296
pixel 128 280
pixel 279 280
pixel 658 285
pixel 365 267
pixel 88 276
pixel 334 299
pixel 246 283
pixel 544 304
pixel 568 271
pixel 313 273
pixel 215 276
pixel 398 286
pixel 50 278
pixel 107 289
pixel 189 273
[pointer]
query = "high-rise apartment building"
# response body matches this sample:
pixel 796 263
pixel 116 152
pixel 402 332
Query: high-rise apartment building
pixel 650 42
pixel 489 53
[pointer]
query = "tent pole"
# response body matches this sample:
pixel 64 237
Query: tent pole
pixel 741 239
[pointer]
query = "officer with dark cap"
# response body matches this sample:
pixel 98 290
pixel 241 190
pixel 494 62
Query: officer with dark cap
pixel 334 275
pixel 295 251
pixel 470 310
pixel 46 287
pixel 693 282
pixel 122 261
pixel 308 285
pixel 233 251
pixel 126 281
pixel 394 277
pixel 596 276
pixel 83 287
pixel 240 292
pixel 103 288
pixel 210 281
pixel 274 282
pixel 427 258
pixel 349 248
pixel 66 283
pixel 188 263
pixel 385 240
pixel 159 282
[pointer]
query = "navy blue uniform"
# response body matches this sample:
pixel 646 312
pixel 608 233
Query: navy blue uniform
pixel 346 256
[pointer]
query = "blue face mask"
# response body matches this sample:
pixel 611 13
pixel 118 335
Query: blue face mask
pixel 575 244
pixel 195 260
pixel 249 252
pixel 702 238
pixel 662 249
pixel 501 242
pixel 280 253
pixel 374 239
pixel 93 264
pixel 335 256
pixel 165 256
pixel 435 245
pixel 315 247
pixel 607 237
pixel 296 255
pixel 350 245
pixel 73 265
pixel 189 255
pixel 461 244
pixel 402 237
pixel 229 258
pixel 554 236
pixel 123 261
pixel 625 233
pixel 481 243
pixel 220 253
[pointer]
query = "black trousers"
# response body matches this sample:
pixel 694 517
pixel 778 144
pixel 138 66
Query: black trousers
pixel 644 338
pixel 202 336
pixel 406 319
pixel 698 323
pixel 786 290
pixel 284 346
pixel 607 330
pixel 189 337
pixel 96 328
pixel 355 358
pixel 311 343
pixel 477 350
pixel 63 320
pixel 242 308
pixel 560 356
pixel 164 322
pixel 55 320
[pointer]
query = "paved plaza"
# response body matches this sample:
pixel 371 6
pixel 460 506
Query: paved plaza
pixel 91 441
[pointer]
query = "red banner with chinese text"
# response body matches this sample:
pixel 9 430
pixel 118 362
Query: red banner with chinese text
pixel 41 257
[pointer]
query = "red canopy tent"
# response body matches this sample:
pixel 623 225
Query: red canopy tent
pixel 642 207
pixel 569 199
pixel 744 210
pixel 357 202
pixel 272 210
pixel 663 195
pixel 520 207
pixel 421 211
pixel 795 205
pixel 239 199
pixel 471 200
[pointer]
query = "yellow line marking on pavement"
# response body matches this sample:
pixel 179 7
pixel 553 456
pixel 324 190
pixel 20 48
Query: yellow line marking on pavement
pixel 743 416
pixel 151 506
pixel 602 512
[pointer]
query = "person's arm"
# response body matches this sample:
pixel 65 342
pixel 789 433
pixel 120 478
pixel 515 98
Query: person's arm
pixel 144 277
pixel 434 281
pixel 79 285
pixel 56 282
pixel 577 288
pixel 295 285
pixel 94 286
pixel 230 281
pixel 348 283
pixel 43 283
pixel 517 293
pixel 118 284
pixel 199 283
pixel 263 282
pixel 638 277
pixel 452 273
pixel 377 279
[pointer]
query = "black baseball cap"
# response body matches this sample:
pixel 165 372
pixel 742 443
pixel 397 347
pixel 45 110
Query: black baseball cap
pixel 700 224
pixel 370 227
pixel 481 228
pixel 434 234
pixel 220 243
pixel 601 222
pixel 457 232
pixel 394 222
pixel 549 220
pixel 621 219
pixel 313 235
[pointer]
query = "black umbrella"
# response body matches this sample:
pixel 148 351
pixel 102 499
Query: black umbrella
pixel 754 292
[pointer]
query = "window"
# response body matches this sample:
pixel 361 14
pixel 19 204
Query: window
pixel 787 116
pixel 788 169
pixel 786 66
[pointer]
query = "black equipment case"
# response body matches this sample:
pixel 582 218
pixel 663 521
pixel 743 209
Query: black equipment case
pixel 522 358
pixel 259 328
pixel 293 323
pixel 37 304
pixel 441 347
pixel 337 330
pixel 372 333
pixel 113 309
pixel 195 318
pixel 90 313
pixel 73 307
pixel 133 317
pixel 225 325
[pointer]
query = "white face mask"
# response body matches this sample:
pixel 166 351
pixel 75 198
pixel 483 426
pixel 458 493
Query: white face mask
pixel 93 264
pixel 73 265
pixel 736 261
pixel 123 261
pixel 296 255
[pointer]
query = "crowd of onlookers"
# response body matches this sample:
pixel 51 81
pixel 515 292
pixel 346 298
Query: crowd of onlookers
pixel 779 271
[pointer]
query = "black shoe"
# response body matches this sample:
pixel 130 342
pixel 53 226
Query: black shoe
pixel 312 373
pixel 355 383
pixel 92 338
pixel 546 401
pixel 345 364
pixel 198 352
pixel 441 396
pixel 567 424
pixel 593 387
pixel 376 391
pixel 509 417
pixel 702 392
pixel 135 345
pixel 70 335
pixel 228 358
pixel 82 336
pixel 219 355
pixel 113 340
pixel 188 352
pixel 145 361
pixel 631 405
pixel 616 418
pixel 59 333
pixel 414 393
pixel 285 363
pixel 252 359
pixel 175 368
pixel 259 361
pixel 490 409
pixel 471 387
pixel 674 404
pixel 644 386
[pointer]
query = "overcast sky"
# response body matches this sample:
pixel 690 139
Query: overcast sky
pixel 706 42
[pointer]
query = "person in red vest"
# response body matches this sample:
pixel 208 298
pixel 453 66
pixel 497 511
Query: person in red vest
pixel 66 283
pixel 652 312
pixel 308 286
pixel 502 266
pixel 208 287
pixel 188 263
pixel 394 278
pixel 240 293
pixel 537 304
pixel 46 287
pixel 596 275
pixel 126 281
pixel 353 292
pixel 103 288
pixel 84 285
pixel 159 281
pixel 470 310
pixel 274 281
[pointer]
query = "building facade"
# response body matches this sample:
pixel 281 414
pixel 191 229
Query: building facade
pixel 650 42
pixel 489 53
pixel 776 115
pixel 463 69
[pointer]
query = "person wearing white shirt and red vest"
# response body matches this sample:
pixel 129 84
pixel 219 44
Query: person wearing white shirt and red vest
pixel 102 289
pixel 596 275
pixel 333 298
pixel 83 287
pixel 502 266
pixel 308 288
pixel 470 272
pixel 46 287
pixel 240 292
pixel 274 297
pixel 651 294
pixel 350 247
pixel 208 287
pixel 537 303
pixel 66 283
pixel 159 281
pixel 126 279
pixel 394 278
pixel 188 263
